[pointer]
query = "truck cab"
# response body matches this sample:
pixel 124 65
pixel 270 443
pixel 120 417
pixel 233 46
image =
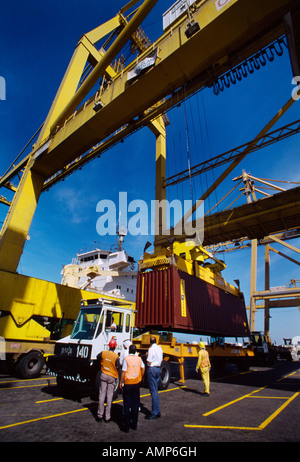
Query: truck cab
pixel 75 356
pixel 263 349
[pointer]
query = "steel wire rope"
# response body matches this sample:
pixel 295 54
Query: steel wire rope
pixel 198 147
pixel 188 149
pixel 223 199
pixel 174 153
pixel 206 136
pixel 194 110
pixel 210 157
pixel 189 102
pixel 205 140
pixel 202 143
pixel 180 147
pixel 240 71
pixel 170 156
pixel 202 182
pixel 24 149
pixel 174 118
pixel 192 191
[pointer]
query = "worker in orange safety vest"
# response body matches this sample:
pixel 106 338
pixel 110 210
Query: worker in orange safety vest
pixel 109 375
pixel 132 373
pixel 204 366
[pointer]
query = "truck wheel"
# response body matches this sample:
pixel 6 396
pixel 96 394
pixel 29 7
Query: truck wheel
pixel 243 365
pixel 294 355
pixel 165 375
pixel 30 365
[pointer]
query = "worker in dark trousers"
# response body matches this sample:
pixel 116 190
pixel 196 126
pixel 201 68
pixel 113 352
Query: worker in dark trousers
pixel 204 366
pixel 132 373
pixel 109 374
pixel 154 360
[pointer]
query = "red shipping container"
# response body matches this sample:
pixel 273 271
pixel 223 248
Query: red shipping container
pixel 172 300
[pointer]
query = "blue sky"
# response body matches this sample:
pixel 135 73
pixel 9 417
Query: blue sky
pixel 37 40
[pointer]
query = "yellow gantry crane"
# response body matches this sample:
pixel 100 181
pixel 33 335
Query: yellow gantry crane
pixel 204 42
pixel 183 57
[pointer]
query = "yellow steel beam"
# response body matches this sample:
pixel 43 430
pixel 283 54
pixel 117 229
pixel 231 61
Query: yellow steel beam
pixel 286 256
pixel 224 32
pixel 157 126
pixel 128 6
pixel 115 48
pixel 85 51
pixel 244 153
pixel 67 88
pixel 221 33
pixel 237 30
pixel 24 297
pixel 103 30
pixel 286 244
pixel 259 219
pixel 15 229
pixel 4 201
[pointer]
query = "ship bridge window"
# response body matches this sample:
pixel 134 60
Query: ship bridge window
pixel 91 258
pixel 103 256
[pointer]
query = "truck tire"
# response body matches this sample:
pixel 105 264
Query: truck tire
pixel 165 375
pixel 294 355
pixel 30 365
pixel 243 365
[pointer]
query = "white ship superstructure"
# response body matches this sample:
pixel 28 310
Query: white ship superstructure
pixel 104 271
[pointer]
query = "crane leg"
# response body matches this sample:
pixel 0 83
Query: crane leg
pixel 15 229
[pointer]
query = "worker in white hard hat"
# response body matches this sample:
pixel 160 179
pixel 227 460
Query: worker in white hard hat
pixel 125 351
pixel 204 366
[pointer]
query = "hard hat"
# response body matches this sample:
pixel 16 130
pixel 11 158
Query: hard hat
pixel 201 345
pixel 112 343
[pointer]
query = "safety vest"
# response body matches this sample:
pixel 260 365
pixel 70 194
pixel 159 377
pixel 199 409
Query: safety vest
pixel 108 360
pixel 133 373
pixel 204 359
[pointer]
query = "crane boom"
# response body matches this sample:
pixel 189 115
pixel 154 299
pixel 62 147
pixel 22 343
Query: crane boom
pixel 227 33
pixel 177 62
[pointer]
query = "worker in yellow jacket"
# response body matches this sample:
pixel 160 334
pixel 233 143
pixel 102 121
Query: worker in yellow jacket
pixel 204 366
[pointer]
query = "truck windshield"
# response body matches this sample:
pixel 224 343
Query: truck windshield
pixel 86 323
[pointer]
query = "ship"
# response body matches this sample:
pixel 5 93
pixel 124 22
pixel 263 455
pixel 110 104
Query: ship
pixel 109 272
